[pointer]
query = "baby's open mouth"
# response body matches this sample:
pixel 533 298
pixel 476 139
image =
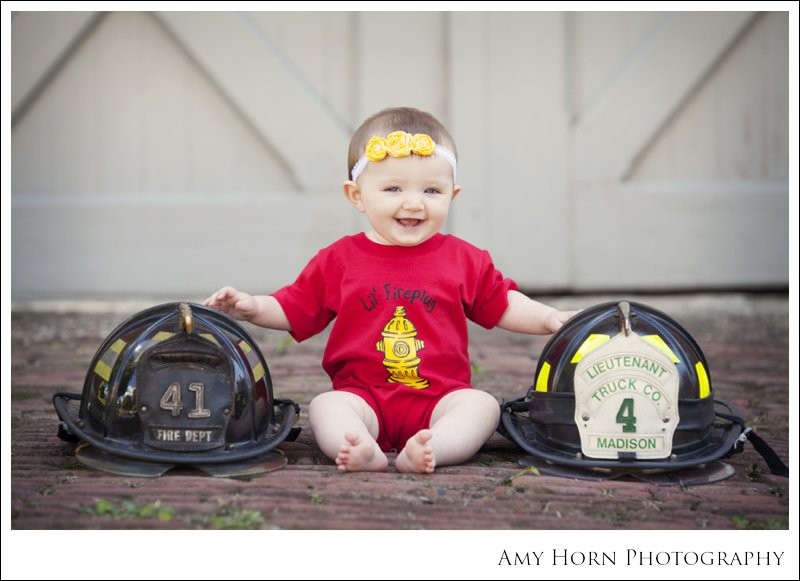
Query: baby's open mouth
pixel 408 222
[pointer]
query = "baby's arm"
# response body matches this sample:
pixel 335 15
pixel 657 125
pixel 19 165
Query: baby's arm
pixel 261 310
pixel 524 315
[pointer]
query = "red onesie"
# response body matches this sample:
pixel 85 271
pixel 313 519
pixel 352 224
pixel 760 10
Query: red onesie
pixel 400 337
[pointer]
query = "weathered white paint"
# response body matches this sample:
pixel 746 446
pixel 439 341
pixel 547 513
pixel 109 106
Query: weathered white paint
pixel 45 39
pixel 703 199
pixel 172 246
pixel 249 68
pixel 647 89
pixel 681 236
pixel 170 153
pixel 511 121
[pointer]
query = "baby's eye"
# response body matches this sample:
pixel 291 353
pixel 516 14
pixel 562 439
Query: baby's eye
pixel 391 189
pixel 433 191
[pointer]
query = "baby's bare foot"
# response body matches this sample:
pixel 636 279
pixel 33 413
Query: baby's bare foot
pixel 360 456
pixel 418 455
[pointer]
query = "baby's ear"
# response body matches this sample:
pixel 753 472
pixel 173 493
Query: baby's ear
pixel 456 191
pixel 353 194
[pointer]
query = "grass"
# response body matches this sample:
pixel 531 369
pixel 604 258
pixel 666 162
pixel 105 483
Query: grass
pixel 509 480
pixel 227 517
pixel 773 524
pixel 127 509
pixel 283 345
pixel 230 519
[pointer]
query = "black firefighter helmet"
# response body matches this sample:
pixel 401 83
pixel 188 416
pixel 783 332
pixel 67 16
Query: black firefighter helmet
pixel 622 389
pixel 177 385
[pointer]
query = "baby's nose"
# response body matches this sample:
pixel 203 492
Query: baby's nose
pixel 413 202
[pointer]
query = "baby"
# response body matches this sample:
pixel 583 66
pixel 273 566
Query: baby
pixel 400 294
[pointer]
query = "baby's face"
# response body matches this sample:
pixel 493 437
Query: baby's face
pixel 406 199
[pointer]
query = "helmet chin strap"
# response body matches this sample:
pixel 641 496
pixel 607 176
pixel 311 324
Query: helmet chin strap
pixel 774 463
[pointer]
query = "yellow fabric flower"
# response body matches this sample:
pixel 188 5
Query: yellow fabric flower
pixel 398 144
pixel 423 144
pixel 376 149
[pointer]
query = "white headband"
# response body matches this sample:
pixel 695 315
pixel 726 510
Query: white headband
pixel 401 144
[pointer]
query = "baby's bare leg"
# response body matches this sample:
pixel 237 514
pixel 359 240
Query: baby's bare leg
pixel 461 423
pixel 345 428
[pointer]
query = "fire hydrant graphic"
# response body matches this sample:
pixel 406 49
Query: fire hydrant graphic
pixel 400 346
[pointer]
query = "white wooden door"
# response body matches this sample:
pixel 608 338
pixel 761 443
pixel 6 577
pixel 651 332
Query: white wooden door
pixel 166 153
pixel 625 151
pixel 680 171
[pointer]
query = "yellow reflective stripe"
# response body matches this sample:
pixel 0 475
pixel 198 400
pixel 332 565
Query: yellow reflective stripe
pixel 103 370
pixel 592 342
pixel 209 337
pixel 106 363
pixel 258 372
pixel 659 344
pixel 253 360
pixel 705 387
pixel 161 335
pixel 544 376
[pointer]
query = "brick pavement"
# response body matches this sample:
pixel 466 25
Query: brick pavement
pixel 744 337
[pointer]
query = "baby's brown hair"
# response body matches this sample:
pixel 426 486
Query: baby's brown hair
pixel 405 119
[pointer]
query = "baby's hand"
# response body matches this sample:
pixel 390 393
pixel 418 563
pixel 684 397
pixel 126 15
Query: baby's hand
pixel 556 319
pixel 237 304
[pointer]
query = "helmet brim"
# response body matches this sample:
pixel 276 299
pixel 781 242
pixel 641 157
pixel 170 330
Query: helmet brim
pixel 721 443
pixel 709 473
pixel 127 457
pixel 120 466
